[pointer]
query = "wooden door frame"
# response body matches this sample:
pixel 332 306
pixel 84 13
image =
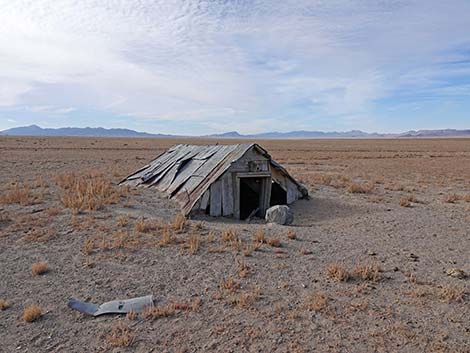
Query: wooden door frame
pixel 265 194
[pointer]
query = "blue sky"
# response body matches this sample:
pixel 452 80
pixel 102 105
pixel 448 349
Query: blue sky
pixel 199 67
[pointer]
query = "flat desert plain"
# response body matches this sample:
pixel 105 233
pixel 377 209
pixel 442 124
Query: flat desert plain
pixel 376 260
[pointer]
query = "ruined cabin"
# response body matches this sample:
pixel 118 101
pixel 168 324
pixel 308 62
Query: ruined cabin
pixel 237 181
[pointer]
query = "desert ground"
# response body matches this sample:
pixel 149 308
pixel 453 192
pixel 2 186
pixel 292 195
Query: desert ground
pixel 376 259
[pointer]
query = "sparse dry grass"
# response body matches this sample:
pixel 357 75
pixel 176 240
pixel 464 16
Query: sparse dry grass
pixel 316 302
pixel 88 246
pixel 452 293
pixel 88 191
pixel 4 305
pixel 32 313
pixel 230 284
pixel 39 268
pixel 120 336
pixel 245 299
pixel 143 225
pixel 20 194
pixel 132 315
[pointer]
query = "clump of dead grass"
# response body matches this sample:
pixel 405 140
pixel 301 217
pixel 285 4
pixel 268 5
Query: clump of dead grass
pixel 179 223
pixel 229 235
pixel 143 225
pixel 362 272
pixel 360 188
pixel 52 211
pixel 4 305
pixel 406 201
pixel 122 221
pixel 274 242
pixel 120 336
pixel 193 243
pixel 291 234
pixel 39 268
pixel 167 236
pixel 88 191
pixel 367 272
pixel 170 309
pixel 451 198
pixel 338 272
pixel 259 236
pixel 32 313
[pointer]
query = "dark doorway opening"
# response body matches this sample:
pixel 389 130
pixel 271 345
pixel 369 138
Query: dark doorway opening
pixel 278 195
pixel 250 196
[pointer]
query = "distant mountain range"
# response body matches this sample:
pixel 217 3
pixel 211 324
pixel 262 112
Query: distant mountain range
pixel 35 130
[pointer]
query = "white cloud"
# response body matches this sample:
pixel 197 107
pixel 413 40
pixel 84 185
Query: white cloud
pixel 209 62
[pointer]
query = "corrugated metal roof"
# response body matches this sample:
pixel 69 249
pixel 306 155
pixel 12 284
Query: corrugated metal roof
pixel 185 172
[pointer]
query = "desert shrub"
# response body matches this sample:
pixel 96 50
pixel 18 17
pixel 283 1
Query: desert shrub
pixel 88 191
pixel 39 268
pixel 32 313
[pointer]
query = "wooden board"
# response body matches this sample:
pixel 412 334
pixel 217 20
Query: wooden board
pixel 205 200
pixel 216 199
pixel 227 194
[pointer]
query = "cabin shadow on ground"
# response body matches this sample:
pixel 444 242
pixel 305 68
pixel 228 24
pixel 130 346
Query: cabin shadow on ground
pixel 316 210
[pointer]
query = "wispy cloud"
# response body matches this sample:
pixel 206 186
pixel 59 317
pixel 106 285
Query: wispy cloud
pixel 247 65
